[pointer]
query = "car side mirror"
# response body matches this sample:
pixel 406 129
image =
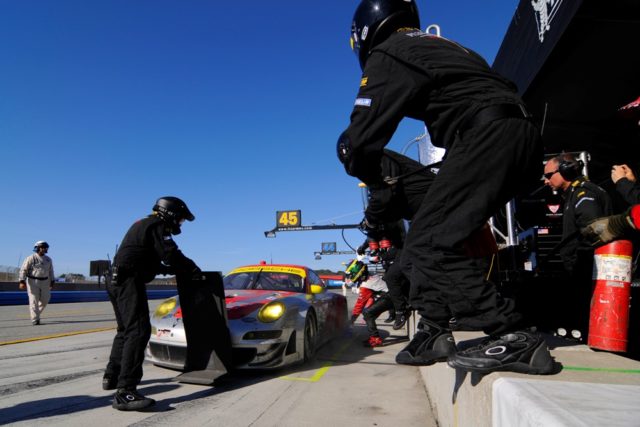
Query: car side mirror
pixel 316 289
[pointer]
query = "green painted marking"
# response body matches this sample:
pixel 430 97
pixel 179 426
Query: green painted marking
pixel 618 371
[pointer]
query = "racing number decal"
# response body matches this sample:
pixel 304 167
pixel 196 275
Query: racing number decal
pixel 288 218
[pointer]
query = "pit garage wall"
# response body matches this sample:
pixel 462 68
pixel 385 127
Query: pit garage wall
pixel 576 75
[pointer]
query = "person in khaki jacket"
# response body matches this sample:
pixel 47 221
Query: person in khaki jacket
pixel 36 275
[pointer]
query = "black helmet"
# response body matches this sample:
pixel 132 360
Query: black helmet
pixel 375 20
pixel 173 211
pixel 40 244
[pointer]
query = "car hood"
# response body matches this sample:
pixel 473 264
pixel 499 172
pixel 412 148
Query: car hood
pixel 235 298
pixel 242 302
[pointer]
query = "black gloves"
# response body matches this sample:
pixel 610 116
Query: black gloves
pixel 607 229
pixel 366 227
pixel 372 230
pixel 196 274
pixel 353 318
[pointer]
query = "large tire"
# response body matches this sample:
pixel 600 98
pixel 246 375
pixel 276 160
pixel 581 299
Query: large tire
pixel 310 337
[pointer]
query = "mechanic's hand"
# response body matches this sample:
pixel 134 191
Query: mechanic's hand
pixel 365 226
pixel 629 174
pixel 620 171
pixel 22 286
pixel 608 229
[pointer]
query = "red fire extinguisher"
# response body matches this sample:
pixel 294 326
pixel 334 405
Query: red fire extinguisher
pixel 609 318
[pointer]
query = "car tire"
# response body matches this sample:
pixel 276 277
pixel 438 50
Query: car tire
pixel 310 337
pixel 344 319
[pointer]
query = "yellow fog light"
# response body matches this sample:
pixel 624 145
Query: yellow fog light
pixel 165 307
pixel 271 312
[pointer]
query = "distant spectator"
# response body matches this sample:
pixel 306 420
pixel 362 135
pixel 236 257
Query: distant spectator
pixel 36 275
pixel 626 184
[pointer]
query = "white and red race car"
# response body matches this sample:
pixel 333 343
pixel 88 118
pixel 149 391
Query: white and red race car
pixel 277 315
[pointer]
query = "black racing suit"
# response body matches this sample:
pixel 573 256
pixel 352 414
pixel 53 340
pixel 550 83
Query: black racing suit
pixel 629 190
pixel 492 152
pixel 584 202
pixel 390 203
pixel 146 250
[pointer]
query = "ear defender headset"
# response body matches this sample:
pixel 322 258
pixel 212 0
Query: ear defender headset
pixel 570 168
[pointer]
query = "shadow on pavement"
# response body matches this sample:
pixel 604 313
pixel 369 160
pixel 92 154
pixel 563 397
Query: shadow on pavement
pixel 54 406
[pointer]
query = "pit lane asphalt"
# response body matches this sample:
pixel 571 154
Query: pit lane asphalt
pixel 51 375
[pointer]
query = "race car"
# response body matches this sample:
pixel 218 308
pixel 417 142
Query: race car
pixel 277 315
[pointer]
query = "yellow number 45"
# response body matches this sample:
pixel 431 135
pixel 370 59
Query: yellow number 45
pixel 288 218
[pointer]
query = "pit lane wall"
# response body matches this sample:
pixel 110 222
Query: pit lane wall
pixel 10 294
pixel 592 389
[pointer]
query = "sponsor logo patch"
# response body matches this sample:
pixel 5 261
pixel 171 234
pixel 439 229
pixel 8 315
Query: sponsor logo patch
pixel 363 102
pixel 364 81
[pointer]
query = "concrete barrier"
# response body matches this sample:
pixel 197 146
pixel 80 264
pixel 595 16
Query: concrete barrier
pixel 593 388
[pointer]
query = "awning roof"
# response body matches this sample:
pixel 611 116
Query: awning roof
pixel 576 73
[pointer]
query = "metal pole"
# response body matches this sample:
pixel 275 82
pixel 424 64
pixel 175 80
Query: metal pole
pixel 365 195
pixel 413 141
pixel 511 231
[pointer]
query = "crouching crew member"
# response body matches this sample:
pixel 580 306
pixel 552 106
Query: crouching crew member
pixel 146 250
pixel 373 299
pixel 395 199
pixel 492 151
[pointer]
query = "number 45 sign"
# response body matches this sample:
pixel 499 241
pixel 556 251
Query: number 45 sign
pixel 288 218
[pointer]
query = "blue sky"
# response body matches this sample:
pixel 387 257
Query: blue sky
pixel 235 107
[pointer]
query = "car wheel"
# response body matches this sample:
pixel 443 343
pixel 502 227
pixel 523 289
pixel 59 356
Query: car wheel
pixel 310 337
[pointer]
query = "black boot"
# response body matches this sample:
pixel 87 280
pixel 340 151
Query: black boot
pixel 131 400
pixel 429 345
pixel 109 382
pixel 391 317
pixel 401 319
pixel 521 351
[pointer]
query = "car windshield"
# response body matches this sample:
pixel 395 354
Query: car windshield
pixel 265 280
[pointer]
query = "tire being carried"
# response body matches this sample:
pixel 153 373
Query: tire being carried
pixel 208 339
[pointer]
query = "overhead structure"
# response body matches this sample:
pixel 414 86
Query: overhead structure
pixel 576 63
pixel 292 221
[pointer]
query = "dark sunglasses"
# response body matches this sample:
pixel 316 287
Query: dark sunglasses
pixel 548 175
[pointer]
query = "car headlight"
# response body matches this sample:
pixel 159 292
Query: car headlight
pixel 271 312
pixel 165 307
